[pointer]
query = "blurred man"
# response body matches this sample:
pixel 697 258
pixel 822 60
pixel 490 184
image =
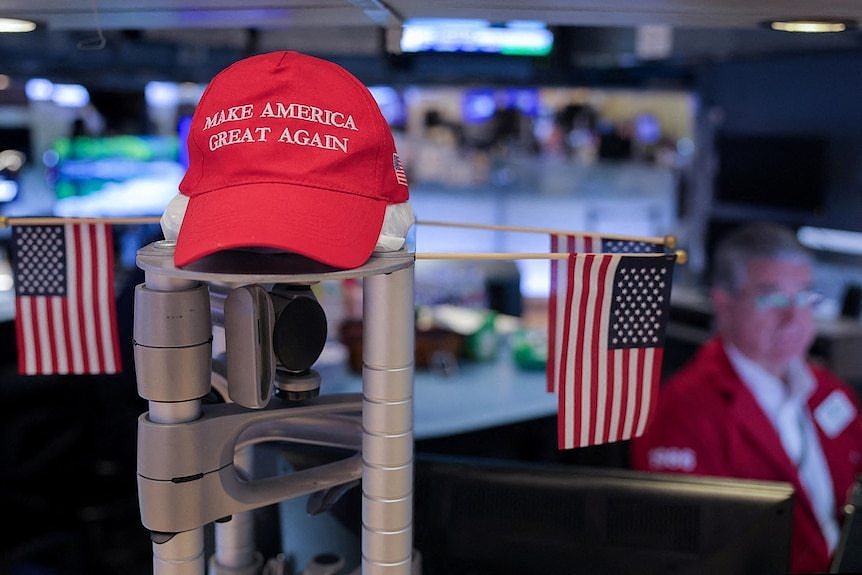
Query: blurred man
pixel 750 405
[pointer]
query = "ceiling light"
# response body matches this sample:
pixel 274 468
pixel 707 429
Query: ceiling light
pixel 811 25
pixel 839 241
pixel 16 25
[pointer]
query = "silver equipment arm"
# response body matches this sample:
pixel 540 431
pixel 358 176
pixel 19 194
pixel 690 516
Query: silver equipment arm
pixel 189 470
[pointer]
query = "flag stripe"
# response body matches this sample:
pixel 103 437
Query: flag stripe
pixel 106 351
pixel 110 337
pixel 85 295
pixel 97 300
pixel 58 331
pixel 630 359
pixel 561 243
pixel 599 359
pixel 77 337
pixel 566 364
pixel 46 338
pixel 599 301
pixel 553 336
pixel 24 336
pixel 616 377
pixel 50 355
pixel 582 368
pixel 643 358
pixel 590 348
pixel 44 346
pixel 625 392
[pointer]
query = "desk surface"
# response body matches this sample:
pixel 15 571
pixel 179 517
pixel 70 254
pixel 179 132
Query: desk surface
pixel 479 396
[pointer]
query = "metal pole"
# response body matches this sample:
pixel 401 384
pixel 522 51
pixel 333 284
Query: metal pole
pixel 173 553
pixel 235 549
pixel 387 423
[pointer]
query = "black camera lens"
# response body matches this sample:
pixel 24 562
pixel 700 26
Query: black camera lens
pixel 300 333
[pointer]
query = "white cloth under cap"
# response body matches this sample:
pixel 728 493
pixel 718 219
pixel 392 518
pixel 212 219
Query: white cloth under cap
pixel 396 224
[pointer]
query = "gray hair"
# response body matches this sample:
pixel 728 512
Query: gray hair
pixel 759 240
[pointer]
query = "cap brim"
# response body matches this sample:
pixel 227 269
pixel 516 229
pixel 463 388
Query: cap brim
pixel 336 229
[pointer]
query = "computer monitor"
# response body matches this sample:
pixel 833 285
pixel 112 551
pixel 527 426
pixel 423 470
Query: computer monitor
pixel 114 175
pixel 482 517
pixel 784 172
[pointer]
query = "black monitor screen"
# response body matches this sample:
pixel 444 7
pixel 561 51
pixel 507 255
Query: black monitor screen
pixel 778 171
pixel 489 517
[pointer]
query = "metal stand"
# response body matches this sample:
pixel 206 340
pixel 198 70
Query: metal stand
pixel 189 473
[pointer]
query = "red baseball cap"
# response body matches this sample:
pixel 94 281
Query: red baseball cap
pixel 291 152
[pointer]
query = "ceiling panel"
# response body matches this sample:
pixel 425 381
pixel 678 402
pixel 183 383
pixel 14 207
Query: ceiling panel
pixel 117 14
pixel 192 39
pixel 175 14
pixel 684 13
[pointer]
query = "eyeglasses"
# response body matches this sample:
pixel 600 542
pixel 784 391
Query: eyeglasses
pixel 779 300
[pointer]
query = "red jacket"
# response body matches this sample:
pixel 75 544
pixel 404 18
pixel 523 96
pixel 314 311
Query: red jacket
pixel 714 426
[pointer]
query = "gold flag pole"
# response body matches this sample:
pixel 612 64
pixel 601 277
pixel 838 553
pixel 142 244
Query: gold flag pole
pixel 53 220
pixel 669 240
pixel 5 221
pixel 680 254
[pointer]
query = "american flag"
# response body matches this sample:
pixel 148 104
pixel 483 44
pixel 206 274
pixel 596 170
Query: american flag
pixel 615 315
pixel 66 320
pixel 578 243
pixel 400 174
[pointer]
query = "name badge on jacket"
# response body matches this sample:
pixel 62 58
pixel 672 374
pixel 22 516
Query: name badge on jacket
pixel 834 413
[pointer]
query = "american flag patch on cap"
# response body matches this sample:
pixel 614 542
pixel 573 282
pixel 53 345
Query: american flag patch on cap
pixel 400 174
